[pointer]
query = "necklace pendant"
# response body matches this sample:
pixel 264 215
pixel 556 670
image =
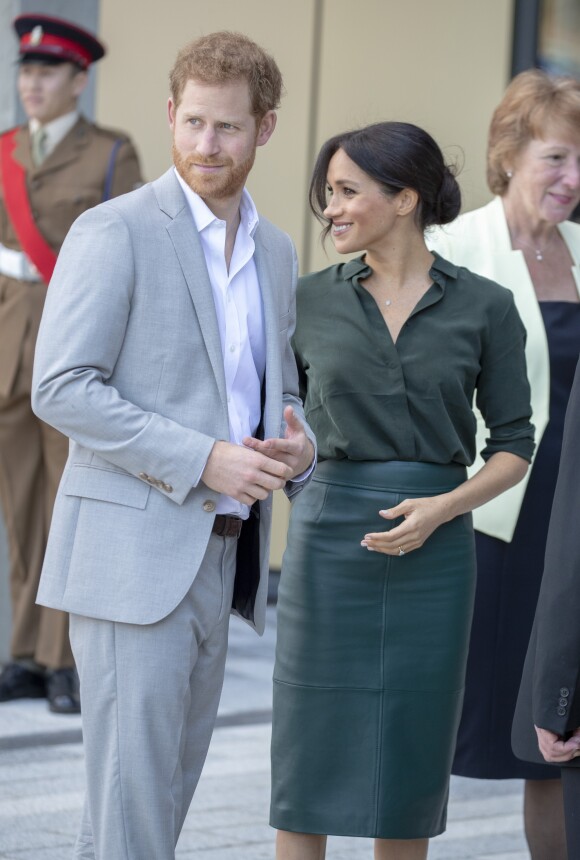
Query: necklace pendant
pixel 388 303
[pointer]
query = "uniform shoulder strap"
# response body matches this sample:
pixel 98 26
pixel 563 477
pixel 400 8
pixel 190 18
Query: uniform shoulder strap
pixel 13 176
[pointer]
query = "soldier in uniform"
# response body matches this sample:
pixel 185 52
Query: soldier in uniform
pixel 51 169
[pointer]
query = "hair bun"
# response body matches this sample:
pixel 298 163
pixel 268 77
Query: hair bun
pixel 448 204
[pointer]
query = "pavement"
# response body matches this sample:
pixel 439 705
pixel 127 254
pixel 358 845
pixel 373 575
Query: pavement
pixel 42 782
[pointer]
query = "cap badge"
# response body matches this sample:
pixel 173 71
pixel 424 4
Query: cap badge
pixel 36 35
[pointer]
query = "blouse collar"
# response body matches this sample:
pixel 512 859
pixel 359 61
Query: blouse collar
pixel 439 272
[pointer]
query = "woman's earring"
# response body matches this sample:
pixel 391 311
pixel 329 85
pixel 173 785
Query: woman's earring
pixel 509 174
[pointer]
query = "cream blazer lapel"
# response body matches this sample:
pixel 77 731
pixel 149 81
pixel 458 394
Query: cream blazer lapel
pixel 570 233
pixel 495 259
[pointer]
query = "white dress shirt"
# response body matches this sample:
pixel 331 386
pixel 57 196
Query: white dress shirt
pixel 56 130
pixel 240 317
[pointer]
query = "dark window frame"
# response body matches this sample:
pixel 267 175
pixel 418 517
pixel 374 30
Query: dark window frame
pixel 525 35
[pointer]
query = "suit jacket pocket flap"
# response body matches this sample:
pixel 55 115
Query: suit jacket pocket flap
pixel 106 485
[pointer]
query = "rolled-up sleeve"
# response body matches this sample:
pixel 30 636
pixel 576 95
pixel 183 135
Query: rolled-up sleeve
pixel 503 390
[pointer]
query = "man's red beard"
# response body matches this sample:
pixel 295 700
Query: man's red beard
pixel 225 183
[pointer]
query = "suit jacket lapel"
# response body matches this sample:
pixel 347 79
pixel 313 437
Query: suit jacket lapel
pixel 267 281
pixel 185 239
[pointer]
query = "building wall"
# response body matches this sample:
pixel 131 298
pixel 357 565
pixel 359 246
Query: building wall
pixel 441 65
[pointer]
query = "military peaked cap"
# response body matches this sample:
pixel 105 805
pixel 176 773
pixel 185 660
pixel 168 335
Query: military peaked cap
pixel 53 40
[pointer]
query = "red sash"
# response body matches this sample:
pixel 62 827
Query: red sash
pixel 13 177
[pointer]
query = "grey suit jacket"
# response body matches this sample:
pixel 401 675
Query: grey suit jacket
pixel 549 694
pixel 129 366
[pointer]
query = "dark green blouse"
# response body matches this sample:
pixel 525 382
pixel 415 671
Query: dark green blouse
pixel 367 398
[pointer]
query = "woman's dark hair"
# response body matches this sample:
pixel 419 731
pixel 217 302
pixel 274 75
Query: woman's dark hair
pixel 397 155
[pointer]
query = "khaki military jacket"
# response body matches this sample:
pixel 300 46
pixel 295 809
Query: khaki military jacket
pixel 70 180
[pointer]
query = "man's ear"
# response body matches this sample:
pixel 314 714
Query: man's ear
pixel 171 112
pixel 266 128
pixel 80 81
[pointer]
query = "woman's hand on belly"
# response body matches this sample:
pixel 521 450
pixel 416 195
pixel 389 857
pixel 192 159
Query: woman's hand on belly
pixel 421 518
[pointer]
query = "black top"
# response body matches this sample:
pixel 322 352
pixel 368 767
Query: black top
pixel 367 398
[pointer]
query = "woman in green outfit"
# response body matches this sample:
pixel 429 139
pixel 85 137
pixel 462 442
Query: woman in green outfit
pixel 377 583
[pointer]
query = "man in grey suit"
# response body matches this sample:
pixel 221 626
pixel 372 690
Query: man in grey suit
pixel 164 354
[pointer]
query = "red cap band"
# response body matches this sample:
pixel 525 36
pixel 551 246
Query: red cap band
pixel 56 46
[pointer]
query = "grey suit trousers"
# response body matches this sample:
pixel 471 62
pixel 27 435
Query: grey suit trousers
pixel 150 696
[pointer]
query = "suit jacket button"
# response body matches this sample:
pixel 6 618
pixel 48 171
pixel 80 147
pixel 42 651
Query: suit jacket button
pixel 143 475
pixel 561 712
pixel 209 506
pixel 565 692
pixel 563 703
pixel 168 488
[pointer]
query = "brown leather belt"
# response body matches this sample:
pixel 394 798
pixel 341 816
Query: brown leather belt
pixel 227 526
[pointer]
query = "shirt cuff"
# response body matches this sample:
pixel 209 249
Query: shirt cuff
pixel 299 478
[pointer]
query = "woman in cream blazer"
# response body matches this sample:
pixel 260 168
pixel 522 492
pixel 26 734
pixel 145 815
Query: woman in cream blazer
pixel 522 240
pixel 480 241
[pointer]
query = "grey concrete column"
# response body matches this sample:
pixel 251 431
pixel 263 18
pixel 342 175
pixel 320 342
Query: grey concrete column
pixel 85 13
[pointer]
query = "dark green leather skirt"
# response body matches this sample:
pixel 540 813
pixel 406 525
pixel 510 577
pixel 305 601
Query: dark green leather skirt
pixel 370 658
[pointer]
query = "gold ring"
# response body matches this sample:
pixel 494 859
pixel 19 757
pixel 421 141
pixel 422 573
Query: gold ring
pixel 401 551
